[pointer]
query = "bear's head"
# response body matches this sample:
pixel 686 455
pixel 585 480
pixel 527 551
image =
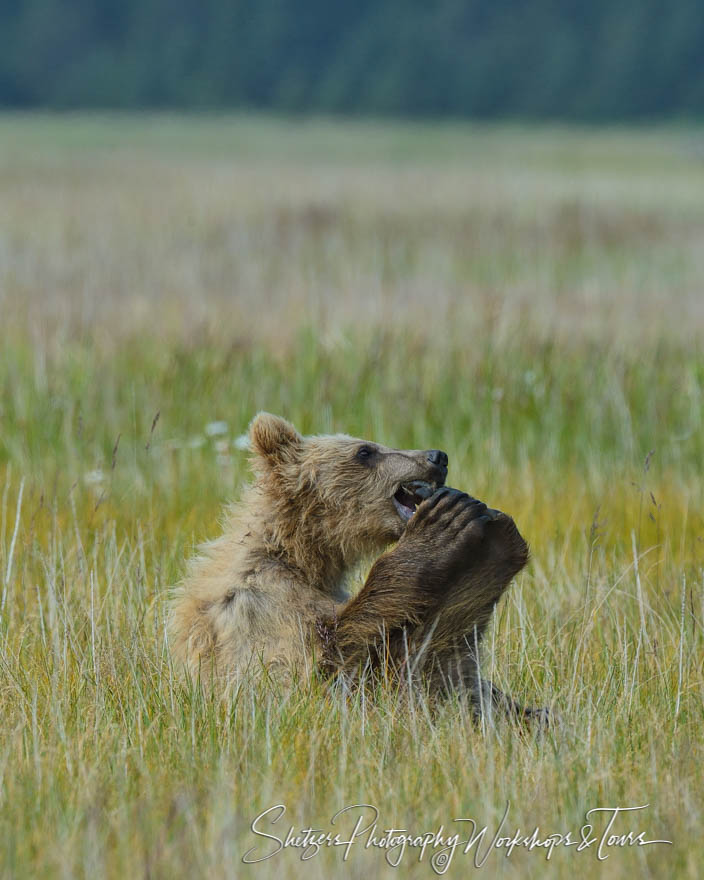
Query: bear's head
pixel 340 490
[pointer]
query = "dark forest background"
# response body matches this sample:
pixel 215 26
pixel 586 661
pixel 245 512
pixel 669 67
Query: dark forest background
pixel 570 59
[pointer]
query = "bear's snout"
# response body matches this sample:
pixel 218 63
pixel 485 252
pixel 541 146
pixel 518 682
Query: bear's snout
pixel 437 457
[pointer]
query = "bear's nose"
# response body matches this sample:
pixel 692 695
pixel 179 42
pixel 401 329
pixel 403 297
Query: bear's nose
pixel 438 457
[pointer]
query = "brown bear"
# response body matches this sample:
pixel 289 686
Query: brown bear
pixel 270 593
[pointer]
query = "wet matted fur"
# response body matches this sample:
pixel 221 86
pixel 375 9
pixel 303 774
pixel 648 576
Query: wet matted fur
pixel 270 592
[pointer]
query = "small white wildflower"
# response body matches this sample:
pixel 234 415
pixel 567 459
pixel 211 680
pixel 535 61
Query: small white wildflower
pixel 242 442
pixel 93 477
pixel 214 429
pixel 195 442
pixel 222 447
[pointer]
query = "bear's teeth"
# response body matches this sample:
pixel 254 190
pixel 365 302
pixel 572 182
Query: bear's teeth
pixel 404 511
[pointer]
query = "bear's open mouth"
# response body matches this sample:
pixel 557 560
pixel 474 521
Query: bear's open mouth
pixel 409 495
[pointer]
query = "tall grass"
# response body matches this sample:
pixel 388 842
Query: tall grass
pixel 529 301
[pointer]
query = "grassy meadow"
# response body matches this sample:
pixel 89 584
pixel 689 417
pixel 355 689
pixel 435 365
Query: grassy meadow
pixel 528 299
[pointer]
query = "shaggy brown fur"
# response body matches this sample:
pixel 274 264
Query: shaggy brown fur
pixel 270 593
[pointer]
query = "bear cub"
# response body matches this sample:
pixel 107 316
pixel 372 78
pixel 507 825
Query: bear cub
pixel 270 593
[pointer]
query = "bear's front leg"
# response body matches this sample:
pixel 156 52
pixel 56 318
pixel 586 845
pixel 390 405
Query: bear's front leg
pixel 512 708
pixel 406 585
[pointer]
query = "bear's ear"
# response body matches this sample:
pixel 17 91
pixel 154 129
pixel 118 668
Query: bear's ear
pixel 273 438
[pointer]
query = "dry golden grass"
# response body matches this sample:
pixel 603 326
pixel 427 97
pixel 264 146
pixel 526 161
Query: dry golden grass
pixel 529 300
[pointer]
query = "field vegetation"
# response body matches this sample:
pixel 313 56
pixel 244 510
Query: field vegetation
pixel 528 299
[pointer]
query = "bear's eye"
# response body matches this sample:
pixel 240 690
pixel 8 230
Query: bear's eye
pixel 365 453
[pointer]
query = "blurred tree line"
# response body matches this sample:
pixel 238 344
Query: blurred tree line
pixel 579 59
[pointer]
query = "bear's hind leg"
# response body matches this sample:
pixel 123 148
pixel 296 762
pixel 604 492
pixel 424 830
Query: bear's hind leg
pixel 447 645
pixel 404 588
